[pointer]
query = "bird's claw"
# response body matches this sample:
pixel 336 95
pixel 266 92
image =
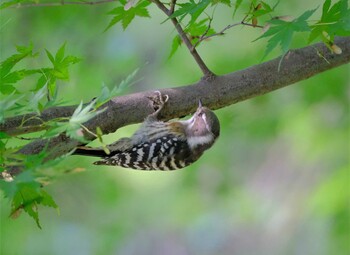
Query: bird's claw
pixel 158 101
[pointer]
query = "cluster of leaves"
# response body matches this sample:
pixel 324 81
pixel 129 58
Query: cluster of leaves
pixel 45 85
pixel 126 13
pixel 334 21
pixel 194 16
pixel 25 191
pixel 279 30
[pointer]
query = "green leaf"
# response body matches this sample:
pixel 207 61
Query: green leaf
pixel 24 194
pixel 197 29
pixel 335 20
pixel 6 76
pixel 127 19
pixel 47 200
pixel 281 32
pixel 128 81
pixel 107 94
pixel 184 10
pixel 7 103
pixel 73 127
pixel 14 77
pixel 34 102
pixel 7 89
pixel 118 16
pixel 126 15
pixel 51 58
pixel 3 135
pixel 60 53
pixel 81 115
pixel 59 71
pixel 263 10
pixel 175 45
pixel 237 5
pixel 192 8
pixel 10 62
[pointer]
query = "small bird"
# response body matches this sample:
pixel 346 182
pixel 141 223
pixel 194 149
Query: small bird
pixel 159 145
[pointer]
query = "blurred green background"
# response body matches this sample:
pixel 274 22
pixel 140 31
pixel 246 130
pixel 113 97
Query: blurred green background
pixel 276 182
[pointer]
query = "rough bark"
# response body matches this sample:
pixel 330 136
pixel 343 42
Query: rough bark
pixel 219 92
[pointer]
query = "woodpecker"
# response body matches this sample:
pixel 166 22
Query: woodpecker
pixel 159 145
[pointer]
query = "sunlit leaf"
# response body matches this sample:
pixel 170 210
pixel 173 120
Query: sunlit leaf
pixel 126 15
pixel 175 45
pixel 6 104
pixel 191 8
pixel 34 101
pixel 335 20
pixel 281 32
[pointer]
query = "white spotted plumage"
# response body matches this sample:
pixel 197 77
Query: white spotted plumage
pixel 159 145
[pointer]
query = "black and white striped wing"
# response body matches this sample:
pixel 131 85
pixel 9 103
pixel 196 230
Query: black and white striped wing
pixel 166 153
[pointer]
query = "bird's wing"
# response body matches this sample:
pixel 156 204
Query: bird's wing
pixel 166 153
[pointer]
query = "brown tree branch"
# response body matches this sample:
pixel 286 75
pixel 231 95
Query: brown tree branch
pixel 222 91
pixel 205 70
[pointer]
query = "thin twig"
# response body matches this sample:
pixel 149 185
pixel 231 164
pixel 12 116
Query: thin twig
pixel 251 25
pixel 63 3
pixel 205 70
pixel 222 32
pixel 162 7
pixel 172 6
pixel 88 131
pixel 204 35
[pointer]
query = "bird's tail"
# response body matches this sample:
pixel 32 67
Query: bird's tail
pixel 89 151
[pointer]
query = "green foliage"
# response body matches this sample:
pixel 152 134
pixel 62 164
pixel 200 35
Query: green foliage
pixel 335 20
pixel 197 29
pixel 8 77
pixel 278 30
pixel 14 99
pixel 59 71
pixel 192 8
pixel 8 103
pixel 175 45
pixel 237 5
pixel 125 16
pixel 260 10
pixel 73 127
pixel 107 94
pixel 281 32
pixel 49 75
pixel 25 192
